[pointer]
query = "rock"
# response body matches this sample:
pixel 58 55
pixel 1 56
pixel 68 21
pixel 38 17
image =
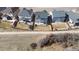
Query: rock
pixel 33 45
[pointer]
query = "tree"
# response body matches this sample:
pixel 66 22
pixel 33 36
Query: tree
pixel 31 11
pixel 1 17
pixel 49 21
pixel 33 20
pixel 66 20
pixel 15 11
pixel 66 17
pixel 16 22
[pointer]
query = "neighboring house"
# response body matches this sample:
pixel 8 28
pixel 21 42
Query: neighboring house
pixel 7 14
pixel 77 23
pixel 41 17
pixel 58 16
pixel 8 17
pixel 24 14
pixel 7 10
pixel 2 8
pixel 73 16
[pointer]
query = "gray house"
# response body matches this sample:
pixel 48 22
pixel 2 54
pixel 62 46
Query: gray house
pixel 41 17
pixel 24 14
pixel 58 16
pixel 7 15
pixel 2 8
pixel 74 17
pixel 7 10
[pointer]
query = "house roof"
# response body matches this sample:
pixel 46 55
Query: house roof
pixel 58 14
pixel 58 19
pixel 7 10
pixel 24 13
pixel 42 14
pixel 73 16
pixel 2 8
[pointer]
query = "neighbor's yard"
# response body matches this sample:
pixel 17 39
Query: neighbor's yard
pixel 6 26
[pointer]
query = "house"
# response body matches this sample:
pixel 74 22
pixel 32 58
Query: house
pixel 7 14
pixel 7 10
pixel 73 16
pixel 58 16
pixel 24 14
pixel 74 19
pixel 41 17
pixel 8 17
pixel 2 8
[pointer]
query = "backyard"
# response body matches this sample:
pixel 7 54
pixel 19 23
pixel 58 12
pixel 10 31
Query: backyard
pixel 6 26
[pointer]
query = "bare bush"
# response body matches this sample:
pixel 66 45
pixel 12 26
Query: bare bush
pixel 66 40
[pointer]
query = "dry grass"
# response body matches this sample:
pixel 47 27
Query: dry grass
pixel 22 26
pixel 25 27
pixel 60 25
pixel 56 26
pixel 42 28
pixel 7 25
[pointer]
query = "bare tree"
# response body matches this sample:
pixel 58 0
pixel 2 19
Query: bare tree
pixel 16 21
pixel 15 11
pixel 49 21
pixel 33 20
pixel 66 20
pixel 1 17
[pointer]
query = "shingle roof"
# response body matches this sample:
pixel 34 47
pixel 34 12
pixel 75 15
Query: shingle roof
pixel 2 8
pixel 42 14
pixel 6 10
pixel 73 15
pixel 24 13
pixel 58 14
